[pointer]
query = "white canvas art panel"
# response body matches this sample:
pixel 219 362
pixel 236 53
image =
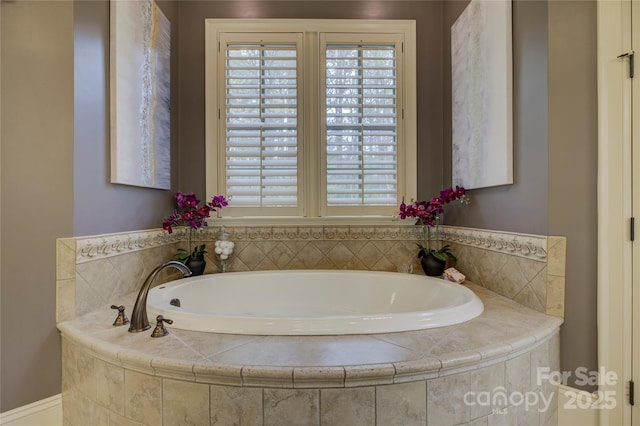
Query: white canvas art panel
pixel 481 79
pixel 140 94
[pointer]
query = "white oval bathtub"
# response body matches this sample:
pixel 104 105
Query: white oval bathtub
pixel 313 302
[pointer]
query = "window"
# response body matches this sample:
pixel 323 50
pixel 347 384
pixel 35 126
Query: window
pixel 311 118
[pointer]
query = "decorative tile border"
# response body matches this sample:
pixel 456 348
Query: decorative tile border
pixel 107 245
pixel 523 245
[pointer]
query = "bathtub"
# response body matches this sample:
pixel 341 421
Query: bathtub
pixel 312 302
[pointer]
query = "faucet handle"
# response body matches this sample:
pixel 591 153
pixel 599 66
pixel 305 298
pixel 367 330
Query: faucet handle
pixel 121 319
pixel 161 330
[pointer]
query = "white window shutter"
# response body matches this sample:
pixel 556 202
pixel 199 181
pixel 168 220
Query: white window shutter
pixel 361 124
pixel 261 87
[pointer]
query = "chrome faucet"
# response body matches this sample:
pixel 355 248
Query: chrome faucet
pixel 139 320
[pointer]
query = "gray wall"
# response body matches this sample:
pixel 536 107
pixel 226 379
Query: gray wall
pixel 55 173
pixel 573 158
pixel 37 191
pixel 429 71
pixel 555 153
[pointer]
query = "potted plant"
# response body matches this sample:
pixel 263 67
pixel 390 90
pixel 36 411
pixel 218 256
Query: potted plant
pixel 190 214
pixel 427 213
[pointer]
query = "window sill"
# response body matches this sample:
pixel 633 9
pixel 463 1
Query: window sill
pixel 311 221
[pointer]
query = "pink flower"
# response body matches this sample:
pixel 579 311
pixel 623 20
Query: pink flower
pixel 189 213
pixel 427 211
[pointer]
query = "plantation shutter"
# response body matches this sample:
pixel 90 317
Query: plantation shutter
pixel 261 123
pixel 361 125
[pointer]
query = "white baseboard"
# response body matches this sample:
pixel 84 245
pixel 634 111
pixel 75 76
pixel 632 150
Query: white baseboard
pixel 576 407
pixel 46 412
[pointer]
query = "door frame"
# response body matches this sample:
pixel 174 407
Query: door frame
pixel 615 249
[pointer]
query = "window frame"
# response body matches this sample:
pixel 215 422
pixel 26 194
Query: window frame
pixel 310 152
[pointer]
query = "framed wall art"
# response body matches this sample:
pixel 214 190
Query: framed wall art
pixel 481 85
pixel 140 94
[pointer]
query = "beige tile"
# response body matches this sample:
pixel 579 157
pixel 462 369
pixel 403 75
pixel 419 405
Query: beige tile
pixel 65 258
pixel 355 264
pixel 318 377
pixel 371 374
pixel 266 265
pixel 361 232
pixel 87 299
pixel 528 298
pixel 130 268
pixel 118 420
pixel 348 407
pixel 384 265
pixel 65 299
pixel 529 267
pixel 209 344
pixel 325 246
pixel 402 404
pixel 319 351
pixel 340 255
pixel 324 263
pixel 266 246
pixel 539 363
pixel 354 246
pixel 285 232
pixel 518 373
pixel 539 286
pixel 420 369
pixel 400 254
pixel 487 379
pixel 555 296
pixel 509 280
pixel 69 365
pixel 385 247
pixel 276 377
pixel 259 233
pixel 235 406
pixel 505 417
pixel 110 386
pixel 489 264
pixel 143 397
pixel 556 255
pixel 336 232
pixel 237 265
pixel 309 256
pixel 184 403
pixel 101 276
pixel 554 351
pixel 296 245
pixel 283 405
pixel 482 421
pixel 369 254
pixel 218 374
pixel 528 414
pixel 237 233
pixel 86 375
pixel 445 400
pixel 173 368
pixel 250 256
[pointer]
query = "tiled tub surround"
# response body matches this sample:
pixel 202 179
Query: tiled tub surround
pixel 93 271
pixel 113 377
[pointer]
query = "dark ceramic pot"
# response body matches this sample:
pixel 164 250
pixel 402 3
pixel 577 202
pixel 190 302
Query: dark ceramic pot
pixel 431 266
pixel 196 264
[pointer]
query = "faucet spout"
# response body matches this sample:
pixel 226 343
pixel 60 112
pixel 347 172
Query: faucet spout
pixel 139 320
